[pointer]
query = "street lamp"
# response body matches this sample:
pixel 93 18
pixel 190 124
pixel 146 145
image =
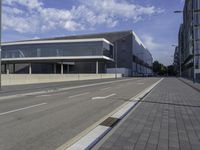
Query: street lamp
pixel 180 70
pixel 193 38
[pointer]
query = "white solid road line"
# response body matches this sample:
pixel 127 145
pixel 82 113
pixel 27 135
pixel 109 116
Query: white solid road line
pixel 20 109
pixel 79 95
pixel 105 88
pixel 94 98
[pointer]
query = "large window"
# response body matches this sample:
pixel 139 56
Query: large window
pixel 97 48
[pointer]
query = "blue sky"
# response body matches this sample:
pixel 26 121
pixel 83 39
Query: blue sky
pixel 152 20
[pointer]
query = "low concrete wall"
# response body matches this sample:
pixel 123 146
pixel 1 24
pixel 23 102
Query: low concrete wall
pixel 19 79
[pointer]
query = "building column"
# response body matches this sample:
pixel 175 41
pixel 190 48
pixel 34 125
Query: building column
pixel 67 68
pixel 61 68
pixel 97 67
pixel 105 68
pixel 54 68
pixel 13 68
pixel 7 69
pixel 30 68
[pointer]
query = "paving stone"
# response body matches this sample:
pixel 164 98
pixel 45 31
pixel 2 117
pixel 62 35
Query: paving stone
pixel 168 118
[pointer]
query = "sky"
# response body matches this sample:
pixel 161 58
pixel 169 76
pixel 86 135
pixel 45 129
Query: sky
pixel 152 20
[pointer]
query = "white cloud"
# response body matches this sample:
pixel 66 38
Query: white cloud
pixel 160 51
pixel 30 4
pixel 31 16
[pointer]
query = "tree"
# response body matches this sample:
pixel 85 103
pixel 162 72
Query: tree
pixel 159 68
pixel 171 70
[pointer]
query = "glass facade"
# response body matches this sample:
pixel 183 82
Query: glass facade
pixel 97 48
pixel 189 39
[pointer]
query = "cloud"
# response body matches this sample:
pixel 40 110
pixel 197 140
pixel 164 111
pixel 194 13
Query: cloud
pixel 161 51
pixel 30 4
pixel 31 16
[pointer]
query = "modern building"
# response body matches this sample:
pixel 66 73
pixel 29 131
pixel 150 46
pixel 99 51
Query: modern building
pixel 114 52
pixel 189 40
pixel 177 61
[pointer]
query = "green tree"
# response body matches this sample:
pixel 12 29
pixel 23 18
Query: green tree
pixel 159 68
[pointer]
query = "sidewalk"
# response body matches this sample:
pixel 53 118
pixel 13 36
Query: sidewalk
pixel 196 85
pixel 169 118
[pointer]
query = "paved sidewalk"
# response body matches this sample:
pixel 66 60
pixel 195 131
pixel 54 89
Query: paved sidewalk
pixel 168 119
pixel 190 83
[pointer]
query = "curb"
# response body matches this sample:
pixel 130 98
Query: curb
pixel 89 140
pixel 188 84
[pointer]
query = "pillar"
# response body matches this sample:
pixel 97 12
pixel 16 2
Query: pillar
pixel 105 68
pixel 67 68
pixel 13 68
pixel 97 67
pixel 54 68
pixel 7 69
pixel 61 68
pixel 30 68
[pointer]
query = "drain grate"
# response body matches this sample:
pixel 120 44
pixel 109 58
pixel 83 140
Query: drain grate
pixel 110 122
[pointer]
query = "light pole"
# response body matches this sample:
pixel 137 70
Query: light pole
pixel 179 50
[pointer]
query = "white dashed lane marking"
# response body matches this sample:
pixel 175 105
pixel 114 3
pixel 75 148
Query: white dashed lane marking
pixel 79 95
pixel 95 98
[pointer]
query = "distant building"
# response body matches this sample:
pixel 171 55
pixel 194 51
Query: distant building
pixel 177 61
pixel 120 52
pixel 189 40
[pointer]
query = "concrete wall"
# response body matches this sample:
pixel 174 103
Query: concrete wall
pixel 16 79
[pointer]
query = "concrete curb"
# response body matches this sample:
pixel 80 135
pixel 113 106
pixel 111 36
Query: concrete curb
pixel 89 140
pixel 190 85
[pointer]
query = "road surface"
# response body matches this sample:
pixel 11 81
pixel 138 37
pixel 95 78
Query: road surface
pixel 45 119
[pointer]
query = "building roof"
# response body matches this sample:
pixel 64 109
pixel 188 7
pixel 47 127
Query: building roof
pixel 56 41
pixel 110 36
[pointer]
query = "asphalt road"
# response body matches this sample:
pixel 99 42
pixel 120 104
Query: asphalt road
pixel 47 120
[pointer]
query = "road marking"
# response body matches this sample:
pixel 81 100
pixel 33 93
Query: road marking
pixel 43 95
pixel 48 95
pixel 20 109
pixel 97 131
pixel 105 88
pixel 62 89
pixel 140 83
pixel 95 98
pixel 79 95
